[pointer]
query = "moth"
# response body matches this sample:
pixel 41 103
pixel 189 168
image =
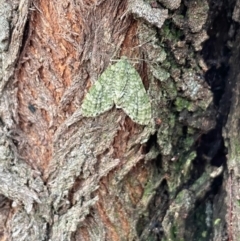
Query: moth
pixel 119 84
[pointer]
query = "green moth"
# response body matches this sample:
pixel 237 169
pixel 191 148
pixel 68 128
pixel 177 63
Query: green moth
pixel 119 84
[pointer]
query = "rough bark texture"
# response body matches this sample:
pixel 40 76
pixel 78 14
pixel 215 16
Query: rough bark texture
pixel 67 177
pixel 232 141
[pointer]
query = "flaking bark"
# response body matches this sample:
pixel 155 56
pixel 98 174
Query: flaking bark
pixel 67 177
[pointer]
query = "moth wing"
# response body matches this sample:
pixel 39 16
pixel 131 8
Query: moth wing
pixel 134 100
pixel 100 96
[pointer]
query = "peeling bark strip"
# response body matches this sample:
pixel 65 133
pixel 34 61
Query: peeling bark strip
pixel 120 84
pixel 12 21
pixel 13 18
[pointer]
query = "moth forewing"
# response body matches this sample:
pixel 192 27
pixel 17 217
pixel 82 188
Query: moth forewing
pixel 99 98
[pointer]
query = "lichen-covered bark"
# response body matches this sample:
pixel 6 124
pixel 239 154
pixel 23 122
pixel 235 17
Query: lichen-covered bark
pixel 232 141
pixel 69 177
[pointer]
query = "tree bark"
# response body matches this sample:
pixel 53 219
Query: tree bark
pixel 65 176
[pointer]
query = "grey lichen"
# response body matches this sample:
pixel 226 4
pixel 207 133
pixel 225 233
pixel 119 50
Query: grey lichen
pixel 194 89
pixel 171 4
pixel 160 73
pixel 147 36
pixel 4 34
pixel 27 227
pixel 197 14
pixel 63 227
pixel 198 39
pixel 236 12
pixel 144 11
pixel 5 16
pixel 14 177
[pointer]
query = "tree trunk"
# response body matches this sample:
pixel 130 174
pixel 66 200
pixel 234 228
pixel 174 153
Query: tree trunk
pixel 97 146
